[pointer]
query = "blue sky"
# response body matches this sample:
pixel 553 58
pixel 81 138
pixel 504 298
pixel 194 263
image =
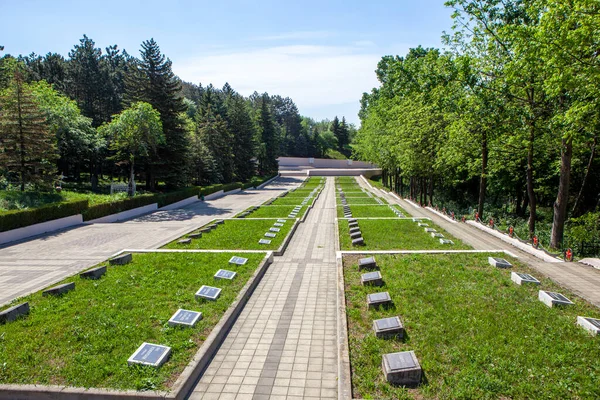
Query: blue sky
pixel 322 54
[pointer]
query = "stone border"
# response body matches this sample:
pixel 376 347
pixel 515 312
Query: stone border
pixel 180 203
pixel 344 252
pixel 123 215
pixel 287 239
pixel 439 214
pixel 186 380
pixel 262 185
pixel 29 231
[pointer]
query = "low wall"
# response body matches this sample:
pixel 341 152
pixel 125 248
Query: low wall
pixel 38 229
pixel 298 162
pixel 344 172
pixel 134 212
pixel 181 203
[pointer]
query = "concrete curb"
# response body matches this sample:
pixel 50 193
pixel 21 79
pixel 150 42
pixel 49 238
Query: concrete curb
pixel 508 253
pixel 186 380
pixel 441 215
pixel 521 246
pixel 262 185
pixel 29 231
pixel 287 239
pixel 179 204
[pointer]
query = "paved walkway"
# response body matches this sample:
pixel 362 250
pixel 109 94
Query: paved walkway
pixel 33 264
pixel 283 345
pixel 582 280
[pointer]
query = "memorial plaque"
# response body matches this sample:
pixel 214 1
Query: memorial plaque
pixel 12 313
pixel 264 241
pixel 225 274
pixel 372 278
pixel 121 260
pixel 281 221
pixel 220 221
pixel 552 299
pixel 184 241
pixel 388 328
pixel 274 229
pixel 355 229
pixel 430 230
pixel 436 235
pixel 402 368
pixel 60 289
pixel 270 235
pixel 352 220
pixel 150 354
pixel 185 318
pixel 355 235
pixel 208 292
pixel 367 263
pixel 94 273
pixel 358 241
pixel 422 224
pixel 499 262
pixel 591 325
pixel 353 224
pixel 195 235
pixel 205 230
pixel 446 241
pixel 376 300
pixel 520 278
pixel 238 260
pixel 417 219
pixel 213 226
pixel 278 224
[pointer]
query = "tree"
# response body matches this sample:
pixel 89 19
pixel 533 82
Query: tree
pixel 343 136
pixel 27 147
pixel 134 133
pixel 243 132
pixel 152 80
pixel 335 129
pixel 267 154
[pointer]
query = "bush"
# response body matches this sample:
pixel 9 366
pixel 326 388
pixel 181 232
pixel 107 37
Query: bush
pixel 231 186
pixel 206 190
pixel 104 209
pixel 14 219
pixel 173 197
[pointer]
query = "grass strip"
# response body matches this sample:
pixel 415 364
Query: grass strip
pixel 477 334
pixel 84 337
pixel 368 211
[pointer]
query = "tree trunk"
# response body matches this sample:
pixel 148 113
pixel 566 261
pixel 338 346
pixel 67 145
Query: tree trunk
pixel 562 199
pixel 483 178
pixel 431 189
pixel 577 207
pixel 530 191
pixel 21 138
pixel 131 178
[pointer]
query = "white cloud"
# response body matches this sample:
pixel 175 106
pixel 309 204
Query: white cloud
pixel 313 76
pixel 301 35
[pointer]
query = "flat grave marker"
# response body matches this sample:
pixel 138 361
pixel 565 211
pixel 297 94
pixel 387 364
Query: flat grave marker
pixel 270 235
pixel 402 368
pixel 185 318
pixel 274 229
pixel 195 235
pixel 94 273
pixel 60 289
pixel 591 325
pixel 367 263
pixel 376 300
pixel 225 274
pixel 520 278
pixel 150 354
pixel 184 241
pixel 208 292
pixel 430 230
pixel 387 328
pixel 12 313
pixel 121 260
pixel 552 299
pixel 372 278
pixel 355 235
pixel 281 221
pixel 422 224
pixel 499 262
pixel 446 241
pixel 238 260
pixel 359 241
pixel 264 241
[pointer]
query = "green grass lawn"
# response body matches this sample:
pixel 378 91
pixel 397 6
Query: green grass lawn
pixel 84 337
pixel 361 200
pixel 369 211
pixel 354 194
pixel 276 212
pixel 395 234
pixel 287 201
pixel 477 334
pixel 238 234
pixel 300 194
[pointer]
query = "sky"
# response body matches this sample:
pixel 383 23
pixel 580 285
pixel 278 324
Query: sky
pixel 322 54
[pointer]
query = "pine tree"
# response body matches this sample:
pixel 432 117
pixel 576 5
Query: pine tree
pixel 344 136
pixel 27 148
pixel 153 81
pixel 213 131
pixel 335 129
pixel 243 130
pixel 267 154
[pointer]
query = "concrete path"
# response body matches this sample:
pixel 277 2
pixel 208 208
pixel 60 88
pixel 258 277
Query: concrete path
pixel 582 280
pixel 283 345
pixel 30 265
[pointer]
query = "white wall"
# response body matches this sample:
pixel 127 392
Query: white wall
pixel 296 162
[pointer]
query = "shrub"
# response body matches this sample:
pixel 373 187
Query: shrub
pixel 173 197
pixel 104 209
pixel 231 186
pixel 14 219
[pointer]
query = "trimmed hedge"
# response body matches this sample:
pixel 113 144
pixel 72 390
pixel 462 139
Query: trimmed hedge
pixel 173 197
pixel 19 218
pixel 104 209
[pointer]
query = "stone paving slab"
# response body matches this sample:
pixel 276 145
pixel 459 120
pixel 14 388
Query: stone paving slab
pixel 30 265
pixel 283 344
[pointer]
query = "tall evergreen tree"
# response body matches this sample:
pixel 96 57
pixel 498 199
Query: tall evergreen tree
pixel 344 137
pixel 336 130
pixel 153 81
pixel 243 131
pixel 267 154
pixel 213 131
pixel 27 148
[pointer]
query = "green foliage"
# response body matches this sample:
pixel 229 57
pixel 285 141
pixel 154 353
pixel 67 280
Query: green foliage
pixel 14 219
pixel 117 206
pixel 585 228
